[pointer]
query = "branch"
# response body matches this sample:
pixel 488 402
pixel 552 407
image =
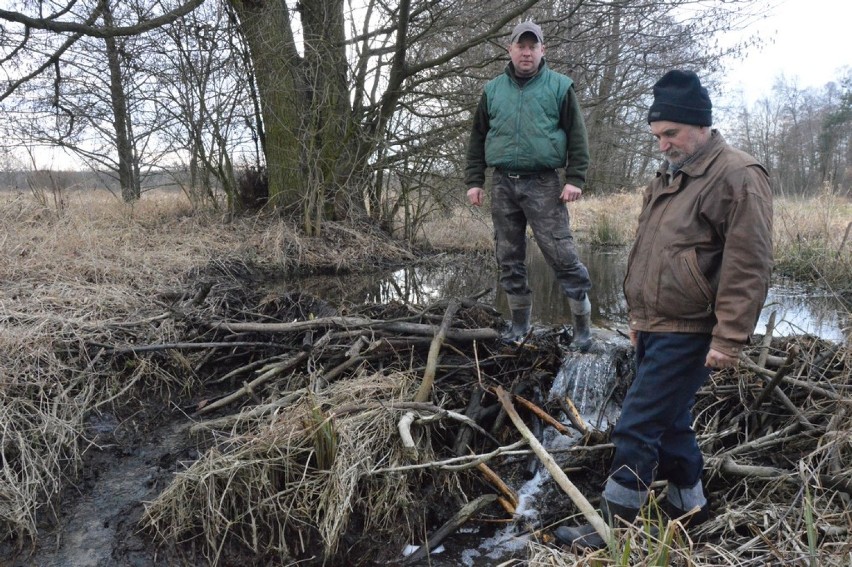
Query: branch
pixel 434 350
pixel 462 516
pixel 558 475
pixel 97 31
pixel 494 30
pixel 271 372
pixel 465 335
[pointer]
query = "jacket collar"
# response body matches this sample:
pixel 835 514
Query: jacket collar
pixel 510 70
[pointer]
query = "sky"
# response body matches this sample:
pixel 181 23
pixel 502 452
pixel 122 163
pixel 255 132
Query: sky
pixel 806 40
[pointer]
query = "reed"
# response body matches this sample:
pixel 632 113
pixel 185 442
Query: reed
pixel 813 240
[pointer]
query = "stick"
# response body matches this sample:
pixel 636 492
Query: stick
pixel 470 461
pixel 564 483
pixel 462 335
pixel 767 340
pixel 271 372
pixel 785 368
pixel 425 390
pixel 462 516
pixel 498 483
pixel 183 346
pixel 570 411
pixel 438 413
pixel 404 426
pixel 543 415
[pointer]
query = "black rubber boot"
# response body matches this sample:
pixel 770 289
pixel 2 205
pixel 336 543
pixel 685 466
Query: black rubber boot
pixel 580 537
pixel 521 309
pixel 586 537
pixel 686 517
pixel 676 509
pixel 581 310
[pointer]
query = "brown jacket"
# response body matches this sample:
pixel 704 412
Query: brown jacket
pixel 703 252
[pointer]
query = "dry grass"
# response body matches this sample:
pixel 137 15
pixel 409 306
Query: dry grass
pixel 812 238
pixel 608 220
pixel 278 477
pixel 86 269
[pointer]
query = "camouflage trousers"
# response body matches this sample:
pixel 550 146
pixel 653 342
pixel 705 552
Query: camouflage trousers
pixel 535 200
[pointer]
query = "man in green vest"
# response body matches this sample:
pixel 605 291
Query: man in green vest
pixel 529 128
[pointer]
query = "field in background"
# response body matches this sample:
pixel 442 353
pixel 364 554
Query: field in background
pixel 812 238
pixel 163 234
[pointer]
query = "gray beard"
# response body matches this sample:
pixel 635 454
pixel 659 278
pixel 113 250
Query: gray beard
pixel 676 165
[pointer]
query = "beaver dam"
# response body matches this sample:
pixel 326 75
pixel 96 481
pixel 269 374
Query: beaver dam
pixel 226 425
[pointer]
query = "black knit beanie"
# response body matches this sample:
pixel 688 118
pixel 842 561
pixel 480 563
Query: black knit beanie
pixel 679 97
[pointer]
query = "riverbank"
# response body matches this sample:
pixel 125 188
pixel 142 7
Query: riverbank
pixel 82 283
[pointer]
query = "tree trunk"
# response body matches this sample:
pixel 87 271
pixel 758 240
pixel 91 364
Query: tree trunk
pixel 277 70
pixel 127 169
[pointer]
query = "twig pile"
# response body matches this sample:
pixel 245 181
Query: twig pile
pixel 778 432
pixel 326 428
pixel 321 440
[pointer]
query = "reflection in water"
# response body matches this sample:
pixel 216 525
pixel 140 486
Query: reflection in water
pixel 799 310
pixel 803 311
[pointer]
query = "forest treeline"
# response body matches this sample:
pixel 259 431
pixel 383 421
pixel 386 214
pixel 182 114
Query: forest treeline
pixel 337 109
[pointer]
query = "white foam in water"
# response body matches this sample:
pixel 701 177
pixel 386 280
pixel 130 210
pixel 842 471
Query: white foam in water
pixel 586 380
pixel 589 376
pixel 512 537
pixel 409 549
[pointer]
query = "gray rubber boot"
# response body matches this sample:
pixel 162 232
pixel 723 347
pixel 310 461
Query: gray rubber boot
pixel 687 504
pixel 581 310
pixel 586 537
pixel 521 309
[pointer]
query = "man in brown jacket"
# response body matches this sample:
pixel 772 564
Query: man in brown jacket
pixel 697 278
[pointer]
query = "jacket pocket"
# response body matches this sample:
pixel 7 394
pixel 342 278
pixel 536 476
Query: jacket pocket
pixel 682 290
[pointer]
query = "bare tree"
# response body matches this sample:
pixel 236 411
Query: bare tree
pixel 203 74
pixel 347 91
pixel 801 135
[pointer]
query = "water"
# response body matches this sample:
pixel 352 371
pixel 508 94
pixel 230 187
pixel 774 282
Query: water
pixel 800 310
pixel 591 381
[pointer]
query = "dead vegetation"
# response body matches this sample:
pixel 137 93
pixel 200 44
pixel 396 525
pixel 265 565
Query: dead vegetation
pixel 313 441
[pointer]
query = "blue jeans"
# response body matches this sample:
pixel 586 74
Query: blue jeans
pixel 653 437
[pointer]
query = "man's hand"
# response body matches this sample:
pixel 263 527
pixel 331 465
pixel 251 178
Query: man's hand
pixel 474 195
pixel 718 360
pixel 570 193
pixel 634 336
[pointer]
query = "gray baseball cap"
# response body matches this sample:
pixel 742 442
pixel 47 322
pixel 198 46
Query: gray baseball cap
pixel 527 27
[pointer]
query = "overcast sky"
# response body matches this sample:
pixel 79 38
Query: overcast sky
pixel 806 40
